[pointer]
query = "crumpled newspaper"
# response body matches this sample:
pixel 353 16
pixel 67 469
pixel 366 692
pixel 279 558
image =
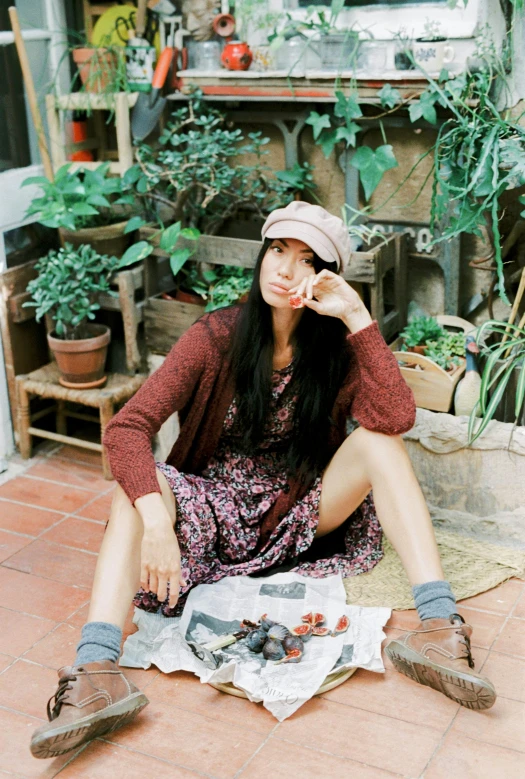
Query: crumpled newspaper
pixel 213 610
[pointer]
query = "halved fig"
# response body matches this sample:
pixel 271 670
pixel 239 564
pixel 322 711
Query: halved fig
pixel 314 618
pixel 292 657
pixel 291 643
pixel 319 631
pixel 304 631
pixel 296 301
pixel 343 623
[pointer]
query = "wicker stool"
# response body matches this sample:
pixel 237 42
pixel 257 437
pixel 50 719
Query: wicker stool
pixel 43 383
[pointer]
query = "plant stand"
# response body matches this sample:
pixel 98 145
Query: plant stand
pixel 43 383
pixel 119 102
pixel 166 320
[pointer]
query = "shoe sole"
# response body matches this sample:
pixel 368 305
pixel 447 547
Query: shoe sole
pixel 469 691
pixel 57 741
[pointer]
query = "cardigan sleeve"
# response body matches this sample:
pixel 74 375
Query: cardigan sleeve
pixel 379 397
pixel 129 434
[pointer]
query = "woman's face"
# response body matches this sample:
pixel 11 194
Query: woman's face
pixel 286 263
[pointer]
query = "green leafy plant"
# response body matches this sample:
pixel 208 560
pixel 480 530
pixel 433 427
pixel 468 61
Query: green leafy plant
pixel 432 31
pixel 330 130
pixel 230 284
pixel 447 350
pixel 195 170
pixel 68 286
pixel 504 356
pixel 317 21
pixel 420 331
pixel 79 198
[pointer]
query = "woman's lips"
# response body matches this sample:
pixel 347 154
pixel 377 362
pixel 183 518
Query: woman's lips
pixel 278 289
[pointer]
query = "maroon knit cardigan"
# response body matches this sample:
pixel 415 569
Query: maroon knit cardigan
pixel 195 380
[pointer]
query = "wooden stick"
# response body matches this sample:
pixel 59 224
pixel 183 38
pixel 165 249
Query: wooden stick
pixel 31 93
pixel 515 306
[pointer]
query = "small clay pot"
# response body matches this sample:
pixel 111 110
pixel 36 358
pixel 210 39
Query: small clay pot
pixel 109 239
pixel 419 349
pixel 81 363
pixel 236 55
pixel 96 67
pixel 189 297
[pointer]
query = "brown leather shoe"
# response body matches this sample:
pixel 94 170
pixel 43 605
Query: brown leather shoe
pixel 438 655
pixel 91 699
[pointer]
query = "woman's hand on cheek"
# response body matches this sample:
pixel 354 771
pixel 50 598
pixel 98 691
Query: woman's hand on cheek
pixel 330 295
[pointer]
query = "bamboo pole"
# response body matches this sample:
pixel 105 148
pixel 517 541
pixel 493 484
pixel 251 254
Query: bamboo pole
pixel 31 93
pixel 514 310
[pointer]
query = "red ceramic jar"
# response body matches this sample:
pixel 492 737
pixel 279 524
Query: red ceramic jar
pixel 236 55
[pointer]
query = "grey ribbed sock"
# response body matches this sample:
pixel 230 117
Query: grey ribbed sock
pixel 434 599
pixel 99 641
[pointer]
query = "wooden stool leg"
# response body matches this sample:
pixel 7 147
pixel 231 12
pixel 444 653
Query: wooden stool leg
pixel 24 420
pixel 106 414
pixel 61 417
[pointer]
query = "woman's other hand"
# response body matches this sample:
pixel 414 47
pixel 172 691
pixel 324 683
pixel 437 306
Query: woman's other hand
pixel 333 297
pixel 160 563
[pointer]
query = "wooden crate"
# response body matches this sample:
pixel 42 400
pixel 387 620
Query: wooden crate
pixel 365 267
pixel 433 387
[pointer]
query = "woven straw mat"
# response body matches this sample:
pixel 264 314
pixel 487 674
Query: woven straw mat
pixel 470 566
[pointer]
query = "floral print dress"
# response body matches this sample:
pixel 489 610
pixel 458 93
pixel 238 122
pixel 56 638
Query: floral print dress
pixel 219 513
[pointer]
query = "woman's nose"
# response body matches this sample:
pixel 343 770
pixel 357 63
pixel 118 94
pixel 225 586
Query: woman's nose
pixel 286 269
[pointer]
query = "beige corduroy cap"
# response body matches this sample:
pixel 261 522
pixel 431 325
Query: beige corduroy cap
pixel 323 232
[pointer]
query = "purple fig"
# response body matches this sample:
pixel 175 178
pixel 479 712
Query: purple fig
pixel 273 649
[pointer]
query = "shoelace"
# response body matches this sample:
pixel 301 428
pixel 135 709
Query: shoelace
pixel 60 696
pixel 466 641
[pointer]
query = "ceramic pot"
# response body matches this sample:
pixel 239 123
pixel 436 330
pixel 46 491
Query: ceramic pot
pixel 81 363
pixel 236 55
pixel 97 68
pixel 109 239
pixel 432 55
pixel 419 349
pixel 189 297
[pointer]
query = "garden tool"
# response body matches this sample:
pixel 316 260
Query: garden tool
pixel 31 94
pixel 150 105
pixel 205 652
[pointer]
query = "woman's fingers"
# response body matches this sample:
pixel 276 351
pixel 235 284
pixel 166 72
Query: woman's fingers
pixel 153 585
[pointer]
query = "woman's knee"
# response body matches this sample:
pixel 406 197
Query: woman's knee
pixel 378 450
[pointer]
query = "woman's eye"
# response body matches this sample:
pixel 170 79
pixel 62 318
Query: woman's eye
pixel 277 248
pixel 308 260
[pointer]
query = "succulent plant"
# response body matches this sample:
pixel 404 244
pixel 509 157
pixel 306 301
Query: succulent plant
pixel 273 649
pixel 256 640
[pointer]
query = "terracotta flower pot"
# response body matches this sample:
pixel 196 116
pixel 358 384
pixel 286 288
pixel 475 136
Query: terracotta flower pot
pixel 97 68
pixel 236 55
pixel 419 349
pixel 81 363
pixel 189 297
pixel 109 239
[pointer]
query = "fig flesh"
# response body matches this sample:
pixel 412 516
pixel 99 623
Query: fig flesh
pixel 291 657
pixel 293 643
pixel 319 631
pixel 273 649
pixel 296 301
pixel 256 640
pixel 314 618
pixel 279 632
pixel 304 631
pixel 342 625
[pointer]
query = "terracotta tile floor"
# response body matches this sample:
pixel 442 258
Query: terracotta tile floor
pixel 51 524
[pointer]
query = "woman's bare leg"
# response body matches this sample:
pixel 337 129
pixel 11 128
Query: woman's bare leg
pixel 117 575
pixel 368 460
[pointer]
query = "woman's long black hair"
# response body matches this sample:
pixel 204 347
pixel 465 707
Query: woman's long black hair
pixel 320 366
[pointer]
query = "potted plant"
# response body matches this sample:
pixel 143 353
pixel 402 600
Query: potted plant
pixel 101 69
pixel 67 288
pixel 420 331
pixel 335 48
pixel 87 207
pixel 431 51
pixel 502 391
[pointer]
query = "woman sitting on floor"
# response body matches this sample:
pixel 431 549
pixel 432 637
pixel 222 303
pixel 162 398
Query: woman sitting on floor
pixel 263 475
